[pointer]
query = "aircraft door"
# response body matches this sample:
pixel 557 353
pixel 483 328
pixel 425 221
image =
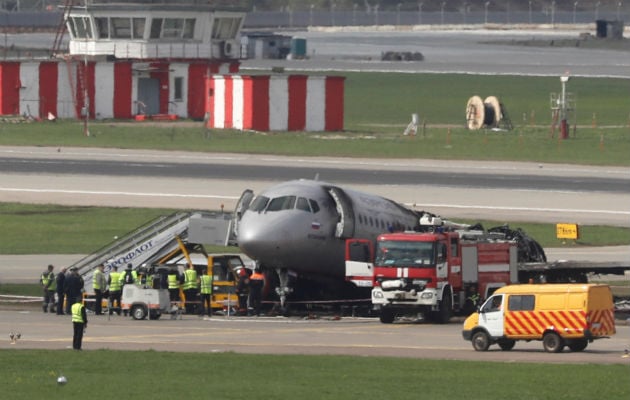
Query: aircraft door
pixel 359 266
pixel 491 315
pixel 345 223
pixel 148 96
pixel 241 206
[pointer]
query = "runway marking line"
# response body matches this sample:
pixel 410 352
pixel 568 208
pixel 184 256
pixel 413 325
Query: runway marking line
pixel 224 197
pixel 112 193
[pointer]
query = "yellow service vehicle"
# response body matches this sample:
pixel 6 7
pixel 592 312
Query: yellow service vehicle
pixel 224 269
pixel 558 314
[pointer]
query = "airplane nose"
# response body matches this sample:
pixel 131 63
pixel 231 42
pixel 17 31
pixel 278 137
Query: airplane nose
pixel 256 238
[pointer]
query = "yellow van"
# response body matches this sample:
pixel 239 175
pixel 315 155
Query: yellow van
pixel 558 314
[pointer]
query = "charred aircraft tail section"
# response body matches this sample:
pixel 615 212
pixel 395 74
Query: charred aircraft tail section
pixel 529 250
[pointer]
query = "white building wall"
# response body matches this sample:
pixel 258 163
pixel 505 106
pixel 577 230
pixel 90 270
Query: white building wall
pixel 278 103
pixel 180 106
pixel 219 103
pixel 104 82
pixel 29 90
pixel 135 109
pixel 65 102
pixel 315 103
pixel 237 102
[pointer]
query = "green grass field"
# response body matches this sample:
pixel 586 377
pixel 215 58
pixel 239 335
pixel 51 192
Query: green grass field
pixel 105 374
pixel 378 106
pixel 57 229
pixel 389 98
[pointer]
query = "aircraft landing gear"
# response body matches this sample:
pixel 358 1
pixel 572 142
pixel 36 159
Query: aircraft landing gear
pixel 283 290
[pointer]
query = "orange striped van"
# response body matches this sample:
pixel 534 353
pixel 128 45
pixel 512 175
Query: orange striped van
pixel 559 315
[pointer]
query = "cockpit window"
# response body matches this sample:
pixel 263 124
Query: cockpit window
pixel 281 203
pixel 259 203
pixel 314 206
pixel 302 204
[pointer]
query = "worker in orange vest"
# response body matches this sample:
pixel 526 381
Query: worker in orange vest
pixel 256 284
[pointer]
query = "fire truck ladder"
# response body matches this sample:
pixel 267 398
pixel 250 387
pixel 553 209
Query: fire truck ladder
pixel 61 28
pixel 159 236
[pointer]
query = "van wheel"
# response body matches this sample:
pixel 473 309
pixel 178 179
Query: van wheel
pixel 552 342
pixel 387 316
pixel 507 344
pixel 577 344
pixel 481 341
pixel 138 312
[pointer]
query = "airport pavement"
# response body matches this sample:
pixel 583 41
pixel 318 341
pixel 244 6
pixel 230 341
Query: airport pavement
pixel 445 48
pixel 468 51
pixel 27 268
pixel 474 190
pixel 280 335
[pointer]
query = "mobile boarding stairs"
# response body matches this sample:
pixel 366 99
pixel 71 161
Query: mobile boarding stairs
pixel 155 240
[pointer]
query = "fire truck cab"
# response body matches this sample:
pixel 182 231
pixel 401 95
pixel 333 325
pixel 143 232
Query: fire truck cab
pixel 434 274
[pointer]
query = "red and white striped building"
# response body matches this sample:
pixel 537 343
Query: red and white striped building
pixel 276 103
pixel 56 87
pixel 176 58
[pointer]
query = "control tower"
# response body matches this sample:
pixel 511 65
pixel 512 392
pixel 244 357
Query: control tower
pixel 156 29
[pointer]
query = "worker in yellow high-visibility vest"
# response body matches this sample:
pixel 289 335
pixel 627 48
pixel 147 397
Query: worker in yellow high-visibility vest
pixel 190 288
pixel 99 284
pixel 79 323
pixel 49 286
pixel 173 285
pixel 206 293
pixel 115 290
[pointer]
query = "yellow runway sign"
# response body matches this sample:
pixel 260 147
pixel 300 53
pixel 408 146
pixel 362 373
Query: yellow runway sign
pixel 567 231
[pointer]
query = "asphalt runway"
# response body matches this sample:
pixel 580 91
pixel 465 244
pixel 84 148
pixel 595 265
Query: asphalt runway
pixel 466 189
pixel 280 335
pixel 455 49
pixel 459 189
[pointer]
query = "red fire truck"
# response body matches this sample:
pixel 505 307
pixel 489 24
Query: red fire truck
pixel 435 274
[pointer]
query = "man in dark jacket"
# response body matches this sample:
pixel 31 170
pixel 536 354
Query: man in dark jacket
pixel 73 288
pixel 242 290
pixel 61 295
